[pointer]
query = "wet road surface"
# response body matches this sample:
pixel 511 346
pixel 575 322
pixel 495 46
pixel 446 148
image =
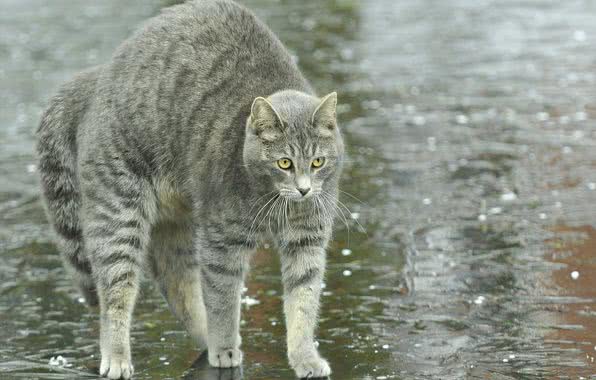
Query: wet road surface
pixel 471 130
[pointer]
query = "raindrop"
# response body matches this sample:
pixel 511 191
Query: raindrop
pixel 31 168
pixel 592 186
pixel 542 216
pixel 347 272
pixel 542 116
pixel 355 215
pixel 495 210
pixel 432 143
pixel 511 356
pixel 162 339
pixel 385 346
pixel 479 300
pixel 567 149
pixel 346 252
pixel 162 358
pixel 427 201
pixel 81 300
pixel 575 275
pixel 248 301
pixel 373 287
pixel 505 360
pixel 482 218
pixel 419 120
pixel 166 363
pixel 57 361
pixel 579 35
pixel 461 119
pixel 309 24
pixel 347 54
pixel 580 116
pixel 508 196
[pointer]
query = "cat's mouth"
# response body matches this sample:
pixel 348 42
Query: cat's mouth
pixel 297 195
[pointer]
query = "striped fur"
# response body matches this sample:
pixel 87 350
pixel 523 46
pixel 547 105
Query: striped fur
pixel 163 161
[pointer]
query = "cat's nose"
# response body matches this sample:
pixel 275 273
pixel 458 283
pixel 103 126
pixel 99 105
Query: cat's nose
pixel 304 190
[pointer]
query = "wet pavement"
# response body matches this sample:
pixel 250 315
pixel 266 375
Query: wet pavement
pixel 471 130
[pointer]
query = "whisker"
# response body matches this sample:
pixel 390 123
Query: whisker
pixel 268 215
pixel 353 197
pixel 252 229
pixel 338 210
pixel 347 209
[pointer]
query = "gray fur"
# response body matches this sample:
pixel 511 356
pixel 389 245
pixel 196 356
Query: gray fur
pixel 165 160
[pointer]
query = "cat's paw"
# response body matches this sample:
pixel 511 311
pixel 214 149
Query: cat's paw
pixel 311 366
pixel 226 358
pixel 116 367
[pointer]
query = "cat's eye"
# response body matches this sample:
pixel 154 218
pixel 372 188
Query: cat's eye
pixel 284 163
pixel 318 162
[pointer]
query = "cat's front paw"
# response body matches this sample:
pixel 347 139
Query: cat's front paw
pixel 116 367
pixel 225 358
pixel 310 366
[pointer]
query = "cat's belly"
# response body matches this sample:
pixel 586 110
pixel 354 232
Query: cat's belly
pixel 172 205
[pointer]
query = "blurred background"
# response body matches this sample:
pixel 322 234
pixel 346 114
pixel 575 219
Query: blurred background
pixel 469 247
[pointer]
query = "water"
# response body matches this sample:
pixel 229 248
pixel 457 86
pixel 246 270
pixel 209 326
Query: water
pixel 472 139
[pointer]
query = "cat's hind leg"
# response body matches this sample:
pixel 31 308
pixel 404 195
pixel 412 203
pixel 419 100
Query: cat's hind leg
pixel 116 223
pixel 175 267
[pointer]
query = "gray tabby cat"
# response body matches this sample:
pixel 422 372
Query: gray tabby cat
pixel 169 160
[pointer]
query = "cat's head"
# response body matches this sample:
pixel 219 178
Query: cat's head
pixel 293 143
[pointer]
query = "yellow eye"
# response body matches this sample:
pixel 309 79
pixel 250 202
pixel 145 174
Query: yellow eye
pixel 284 163
pixel 318 162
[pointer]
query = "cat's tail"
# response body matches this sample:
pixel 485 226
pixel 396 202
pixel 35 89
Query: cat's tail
pixel 57 153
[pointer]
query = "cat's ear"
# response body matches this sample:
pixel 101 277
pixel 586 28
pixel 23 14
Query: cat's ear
pixel 324 116
pixel 264 119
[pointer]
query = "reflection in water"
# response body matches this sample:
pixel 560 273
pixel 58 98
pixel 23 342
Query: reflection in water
pixel 575 248
pixel 203 371
pixel 470 133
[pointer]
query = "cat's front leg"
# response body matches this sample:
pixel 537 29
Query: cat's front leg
pixel 223 266
pixel 303 267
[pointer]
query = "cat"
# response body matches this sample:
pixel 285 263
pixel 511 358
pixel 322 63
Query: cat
pixel 199 139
